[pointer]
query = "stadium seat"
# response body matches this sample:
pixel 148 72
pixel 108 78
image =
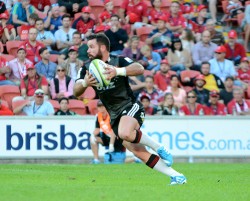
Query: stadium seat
pixel 8 92
pixel 12 47
pixel 54 58
pixel 143 32
pixel 8 57
pixel 18 103
pixel 5 103
pixel 92 106
pixel 97 7
pixel 77 106
pixel 117 5
pixel 188 73
pixel 165 4
pixel 55 104
pixel 149 5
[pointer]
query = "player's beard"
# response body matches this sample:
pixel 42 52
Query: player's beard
pixel 98 55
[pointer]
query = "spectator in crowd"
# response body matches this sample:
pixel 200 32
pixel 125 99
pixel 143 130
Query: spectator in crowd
pixel 156 11
pixel 192 107
pixel 64 108
pixel 62 85
pixel 38 107
pixel 46 67
pixel 176 22
pixel 156 96
pixel 6 6
pixel 187 8
pixel 243 74
pixel 226 95
pixel 201 93
pixel 203 50
pixel 233 8
pixel 54 20
pixel 160 38
pixel 179 94
pixel 238 106
pixel 72 6
pixel 7 31
pixel 72 64
pixel 162 77
pixel 138 7
pixel 21 12
pixel 18 66
pixel 246 26
pixel 41 5
pixel 149 109
pixel 117 36
pixel 234 51
pixel 104 17
pixel 214 106
pixel 45 37
pixel 24 29
pixel 133 51
pixel 103 134
pixel 179 59
pixel 152 59
pixel 84 24
pixel 65 34
pixel 31 82
pixel 32 46
pixel 187 39
pixel 220 66
pixel 216 36
pixel 78 43
pixel 213 82
pixel 4 110
pixel 198 23
pixel 4 72
pixel 168 107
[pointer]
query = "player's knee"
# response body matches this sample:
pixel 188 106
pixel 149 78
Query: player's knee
pixel 125 135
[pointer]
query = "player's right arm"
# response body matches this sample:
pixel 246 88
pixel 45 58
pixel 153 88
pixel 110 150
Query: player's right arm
pixel 84 80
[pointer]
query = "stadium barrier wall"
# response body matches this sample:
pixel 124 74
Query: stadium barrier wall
pixel 55 137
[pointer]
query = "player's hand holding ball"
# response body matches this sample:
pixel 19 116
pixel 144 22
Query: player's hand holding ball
pixel 90 80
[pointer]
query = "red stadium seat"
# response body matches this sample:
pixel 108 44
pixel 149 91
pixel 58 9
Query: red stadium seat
pixel 97 7
pixel 8 57
pixel 12 47
pixel 55 104
pixel 5 103
pixel 188 73
pixel 77 106
pixel 92 106
pixel 117 5
pixel 8 92
pixel 18 103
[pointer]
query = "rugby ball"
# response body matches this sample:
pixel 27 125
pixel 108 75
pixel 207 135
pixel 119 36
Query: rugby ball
pixel 96 69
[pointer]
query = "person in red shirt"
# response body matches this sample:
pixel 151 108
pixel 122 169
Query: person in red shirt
pixel 5 111
pixel 214 106
pixel 7 31
pixel 186 8
pixel 234 51
pixel 162 77
pixel 138 7
pixel 238 106
pixel 31 82
pixel 149 110
pixel 192 107
pixel 4 72
pixel 42 5
pixel 24 29
pixel 155 12
pixel 84 23
pixel 32 46
pixel 176 22
pixel 244 73
pixel 104 17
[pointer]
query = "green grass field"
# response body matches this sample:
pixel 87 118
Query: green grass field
pixel 212 182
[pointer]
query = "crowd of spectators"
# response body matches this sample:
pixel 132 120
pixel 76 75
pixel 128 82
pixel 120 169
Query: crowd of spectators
pixel 186 38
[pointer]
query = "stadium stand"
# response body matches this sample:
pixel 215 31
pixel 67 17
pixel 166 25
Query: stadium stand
pixel 8 92
pixel 77 106
pixel 12 47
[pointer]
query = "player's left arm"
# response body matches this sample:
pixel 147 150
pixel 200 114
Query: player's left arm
pixel 127 68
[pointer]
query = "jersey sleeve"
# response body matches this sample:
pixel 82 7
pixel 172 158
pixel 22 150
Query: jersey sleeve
pixel 125 61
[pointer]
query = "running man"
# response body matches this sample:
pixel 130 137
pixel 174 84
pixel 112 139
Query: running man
pixel 126 113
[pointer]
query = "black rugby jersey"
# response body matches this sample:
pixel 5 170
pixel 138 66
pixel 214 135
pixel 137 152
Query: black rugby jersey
pixel 118 94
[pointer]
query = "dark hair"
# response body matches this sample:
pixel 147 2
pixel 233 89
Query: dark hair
pixel 63 98
pixel 39 19
pixel 230 78
pixel 152 3
pixel 173 41
pixel 77 33
pixel 205 62
pixel 190 35
pixel 66 15
pixel 101 39
pixel 173 76
pixel 149 76
pixel 114 15
pixel 34 16
pixel 193 92
pixel 42 50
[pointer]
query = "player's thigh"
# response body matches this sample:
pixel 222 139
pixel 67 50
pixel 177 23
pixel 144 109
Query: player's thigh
pixel 128 124
pixel 138 150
